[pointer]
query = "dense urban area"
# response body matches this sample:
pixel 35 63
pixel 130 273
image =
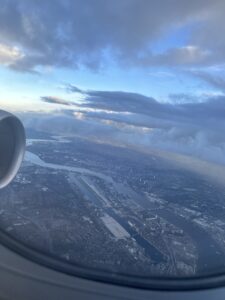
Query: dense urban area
pixel 114 209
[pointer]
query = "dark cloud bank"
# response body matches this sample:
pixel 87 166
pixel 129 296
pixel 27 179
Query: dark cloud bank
pixel 62 32
pixel 123 118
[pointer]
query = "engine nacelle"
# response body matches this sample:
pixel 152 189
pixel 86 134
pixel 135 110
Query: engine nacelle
pixel 12 147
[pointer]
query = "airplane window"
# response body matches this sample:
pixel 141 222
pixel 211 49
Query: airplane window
pixel 123 106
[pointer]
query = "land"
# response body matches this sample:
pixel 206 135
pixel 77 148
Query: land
pixel 115 209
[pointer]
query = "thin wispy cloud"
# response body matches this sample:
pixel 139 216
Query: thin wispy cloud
pixel 212 79
pixel 56 100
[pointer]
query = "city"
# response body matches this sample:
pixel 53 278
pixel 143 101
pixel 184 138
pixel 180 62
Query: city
pixel 114 209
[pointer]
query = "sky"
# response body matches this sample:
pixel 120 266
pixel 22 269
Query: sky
pixel 141 71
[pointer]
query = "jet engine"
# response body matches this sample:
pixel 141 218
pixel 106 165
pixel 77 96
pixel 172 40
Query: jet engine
pixel 12 147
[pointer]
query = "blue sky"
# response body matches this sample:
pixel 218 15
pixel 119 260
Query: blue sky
pixel 155 82
pixel 25 89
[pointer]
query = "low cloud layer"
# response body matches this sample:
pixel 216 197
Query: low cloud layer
pixel 196 129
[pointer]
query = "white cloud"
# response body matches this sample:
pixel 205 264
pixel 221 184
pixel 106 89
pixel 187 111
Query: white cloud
pixel 9 55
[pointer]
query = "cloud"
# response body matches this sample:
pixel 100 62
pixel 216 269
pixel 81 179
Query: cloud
pixel 73 89
pixel 133 104
pixel 130 107
pixel 76 33
pixel 9 55
pixel 180 98
pixel 193 128
pixel 213 80
pixel 120 101
pixel 189 55
pixel 55 100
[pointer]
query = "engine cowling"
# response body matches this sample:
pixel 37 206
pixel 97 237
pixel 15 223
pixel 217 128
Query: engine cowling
pixel 12 147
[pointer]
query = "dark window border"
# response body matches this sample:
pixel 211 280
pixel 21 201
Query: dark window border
pixel 150 283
